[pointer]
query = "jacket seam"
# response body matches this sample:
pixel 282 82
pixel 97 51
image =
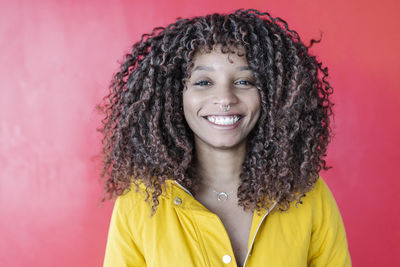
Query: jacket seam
pixel 200 237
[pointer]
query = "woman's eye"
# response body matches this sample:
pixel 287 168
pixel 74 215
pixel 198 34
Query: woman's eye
pixel 202 83
pixel 245 82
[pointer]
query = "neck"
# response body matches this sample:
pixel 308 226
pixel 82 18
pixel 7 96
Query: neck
pixel 220 168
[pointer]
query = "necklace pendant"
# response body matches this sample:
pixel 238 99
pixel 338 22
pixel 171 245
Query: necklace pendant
pixel 222 196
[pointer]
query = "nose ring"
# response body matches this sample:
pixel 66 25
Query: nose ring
pixel 225 108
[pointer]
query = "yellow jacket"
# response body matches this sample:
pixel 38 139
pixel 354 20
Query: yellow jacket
pixel 184 233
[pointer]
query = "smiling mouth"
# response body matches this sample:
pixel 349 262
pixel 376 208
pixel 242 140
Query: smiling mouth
pixel 223 120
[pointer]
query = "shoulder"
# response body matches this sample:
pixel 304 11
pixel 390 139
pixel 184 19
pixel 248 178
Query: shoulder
pixel 317 206
pixel 319 196
pixel 320 189
pixel 321 200
pixel 138 199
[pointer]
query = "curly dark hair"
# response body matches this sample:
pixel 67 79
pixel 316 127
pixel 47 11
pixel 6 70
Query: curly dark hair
pixel 147 140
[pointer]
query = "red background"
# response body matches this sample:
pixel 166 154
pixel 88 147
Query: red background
pixel 57 58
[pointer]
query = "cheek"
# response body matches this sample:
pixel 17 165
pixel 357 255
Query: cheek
pixel 186 103
pixel 191 103
pixel 254 106
pixel 189 107
pixel 257 104
pixel 254 102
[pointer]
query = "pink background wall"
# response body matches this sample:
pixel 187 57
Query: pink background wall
pixel 57 58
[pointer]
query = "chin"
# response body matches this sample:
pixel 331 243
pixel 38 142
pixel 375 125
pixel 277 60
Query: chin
pixel 224 144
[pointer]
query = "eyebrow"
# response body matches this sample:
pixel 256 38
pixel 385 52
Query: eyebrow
pixel 241 68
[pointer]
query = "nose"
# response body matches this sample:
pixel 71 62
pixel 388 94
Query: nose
pixel 225 95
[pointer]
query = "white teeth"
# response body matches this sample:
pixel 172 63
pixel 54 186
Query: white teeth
pixel 223 120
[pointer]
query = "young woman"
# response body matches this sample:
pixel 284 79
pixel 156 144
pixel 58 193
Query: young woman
pixel 215 132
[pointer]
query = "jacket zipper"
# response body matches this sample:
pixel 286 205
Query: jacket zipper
pixel 255 234
pixel 187 191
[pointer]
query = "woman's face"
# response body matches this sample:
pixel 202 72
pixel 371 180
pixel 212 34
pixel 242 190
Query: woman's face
pixel 221 102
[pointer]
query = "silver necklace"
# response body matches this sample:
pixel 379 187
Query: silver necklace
pixel 222 196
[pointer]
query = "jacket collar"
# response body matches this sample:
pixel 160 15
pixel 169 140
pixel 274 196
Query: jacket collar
pixel 187 201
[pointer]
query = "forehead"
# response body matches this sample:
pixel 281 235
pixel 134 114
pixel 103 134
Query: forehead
pixel 220 55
